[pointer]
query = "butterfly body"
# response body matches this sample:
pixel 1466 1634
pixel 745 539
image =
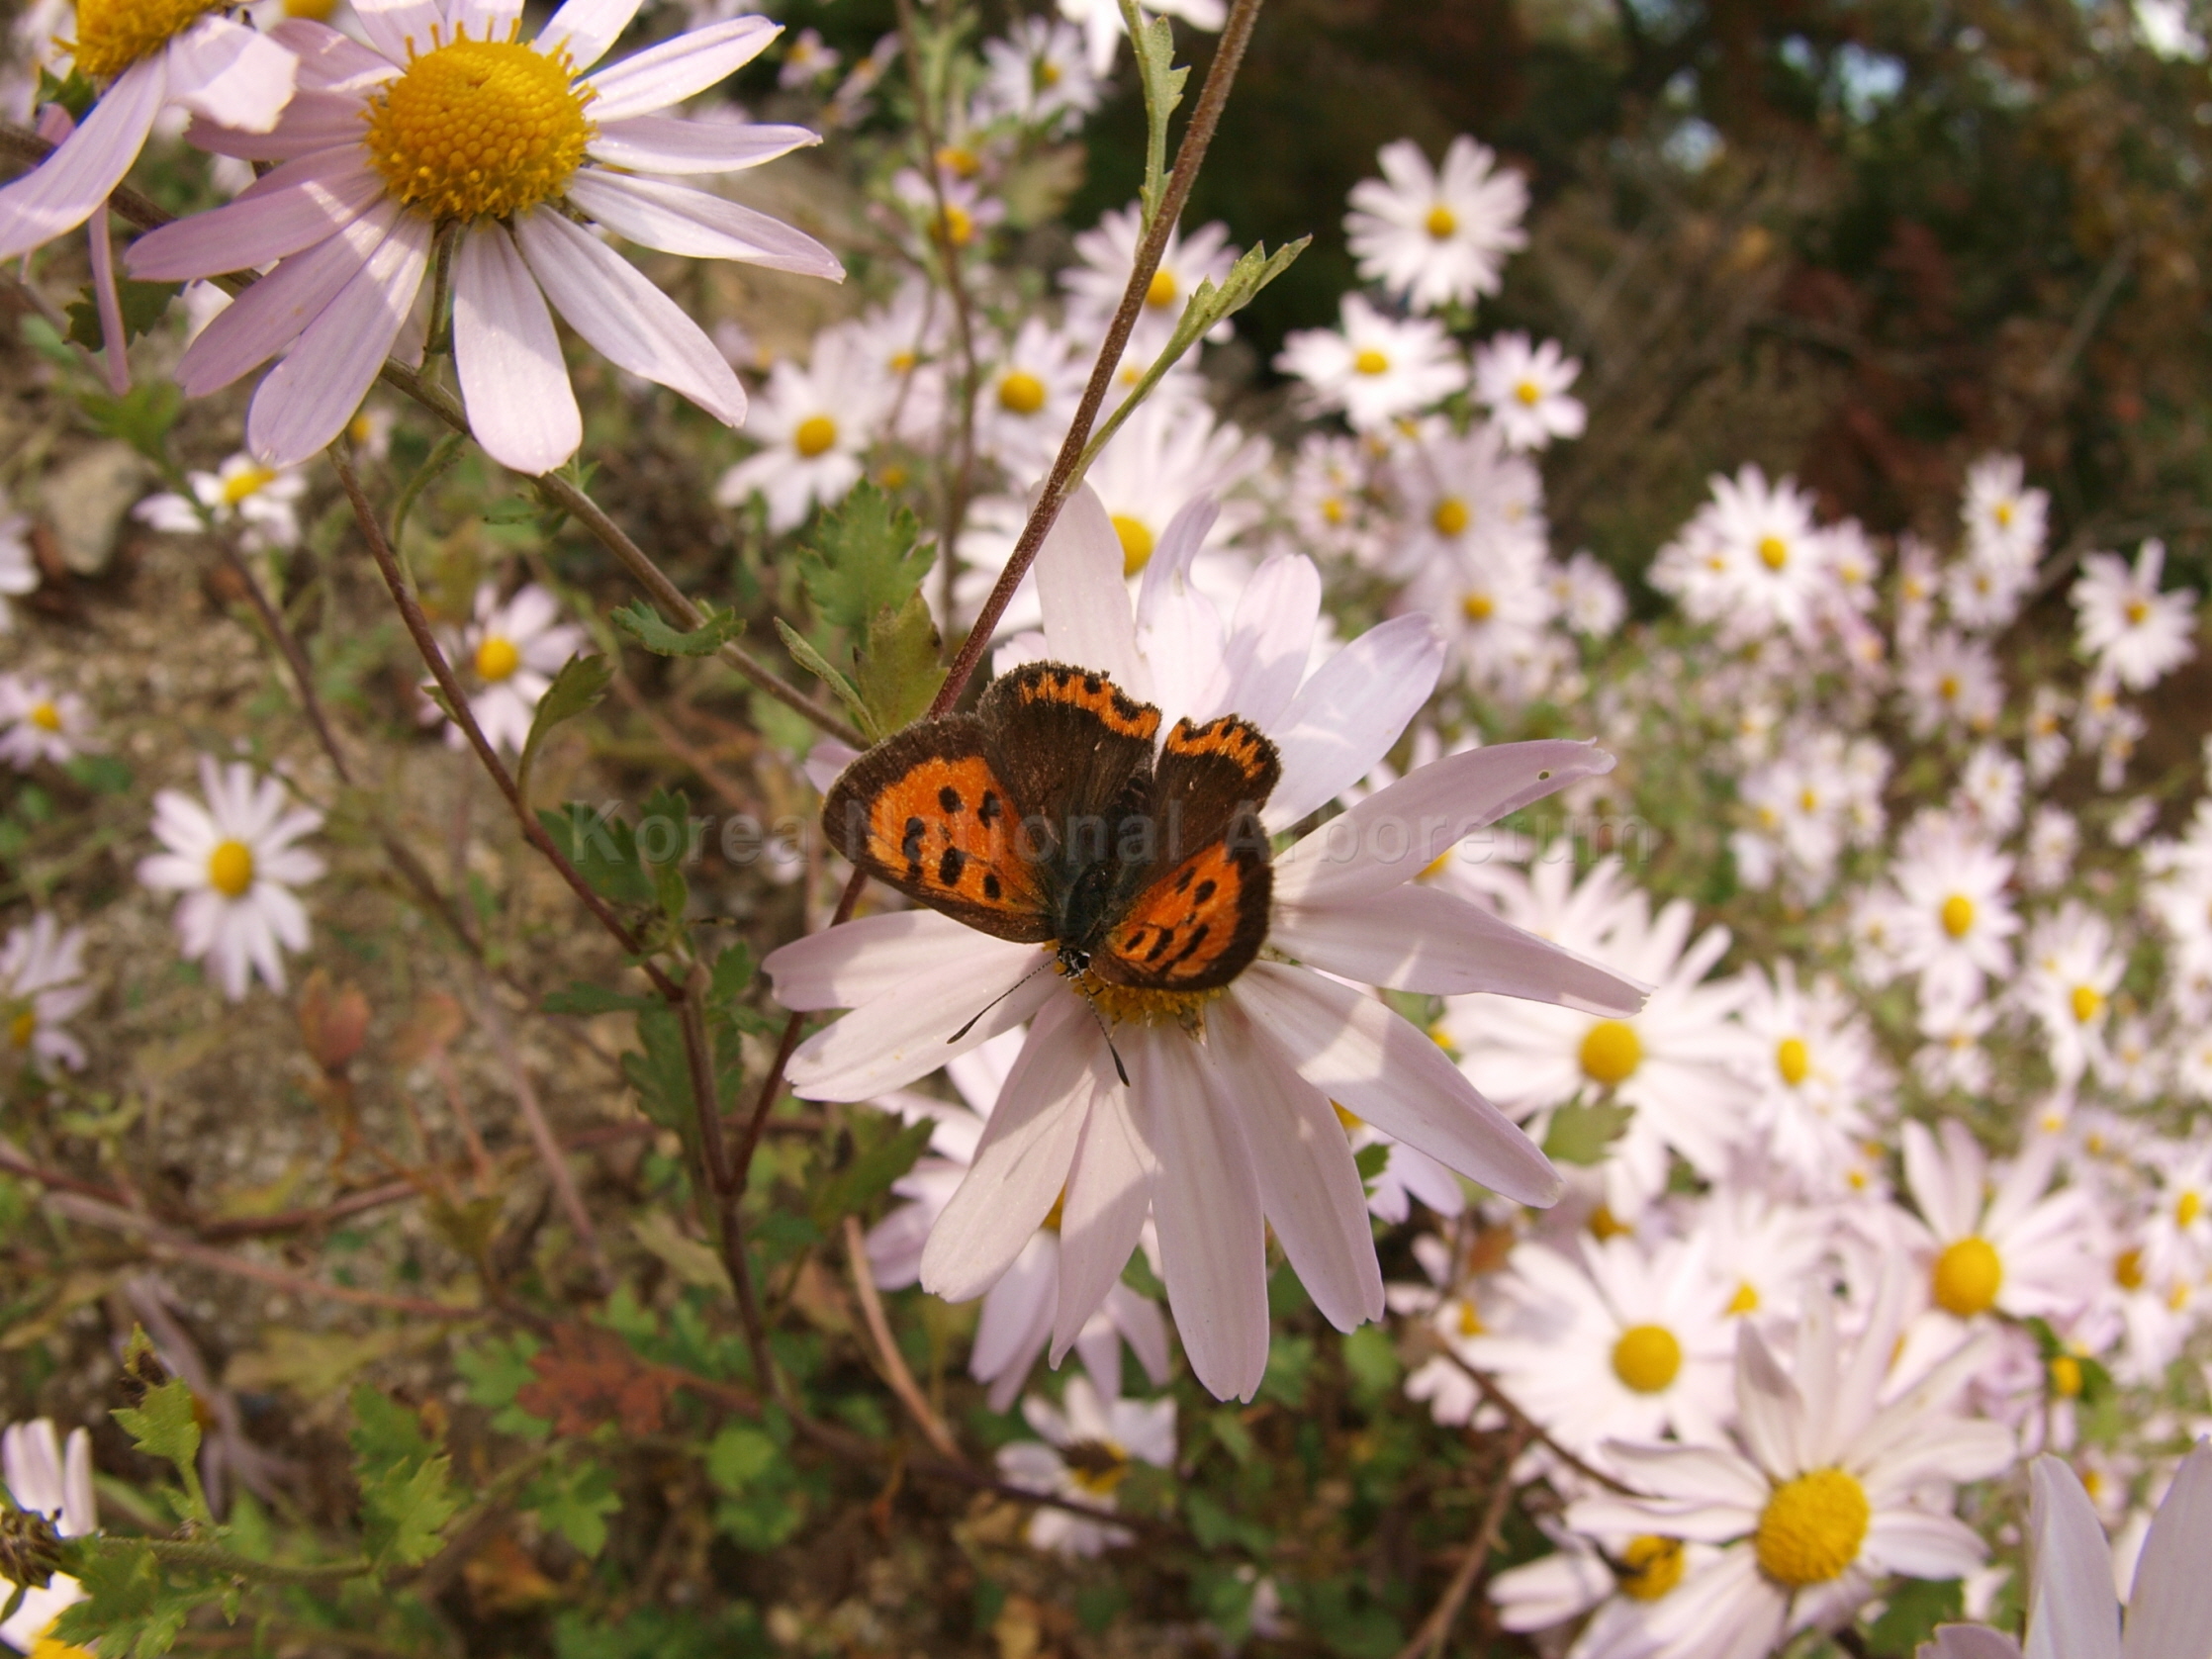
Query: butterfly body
pixel 1048 817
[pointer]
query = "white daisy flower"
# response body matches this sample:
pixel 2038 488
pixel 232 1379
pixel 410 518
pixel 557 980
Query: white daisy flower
pixel 1463 498
pixel 1954 1057
pixel 1438 237
pixel 2004 521
pixel 1039 74
pixel 1588 597
pixel 1952 683
pixel 906 338
pixel 1029 397
pixel 1102 27
pixel 1089 1446
pixel 1818 1077
pixel 508 654
pixel 39 723
pixel 1953 917
pixel 1524 388
pixel 1407 1177
pixel 814 426
pixel 2045 739
pixel 1105 255
pixel 2136 633
pixel 1216 1139
pixel 42 985
pixel 1832 1490
pixel 2003 1241
pixel 1375 367
pixel 1618 1578
pixel 384 148
pixel 1991 788
pixel 233 860
pixel 54 1480
pixel 2072 968
pixel 242 492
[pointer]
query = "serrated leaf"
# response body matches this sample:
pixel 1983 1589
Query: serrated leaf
pixel 495 1371
pixel 603 849
pixel 866 557
pixel 662 1074
pixel 141 417
pixel 689 1260
pixel 142 304
pixel 576 689
pixel 817 665
pixel 164 1426
pixel 403 1511
pixel 738 1457
pixel 642 623
pixel 896 671
pixel 1154 46
pixel 385 1433
pixel 575 1502
pixel 1581 1133
pixel 129 1609
pixel 871 1172
pixel 74 92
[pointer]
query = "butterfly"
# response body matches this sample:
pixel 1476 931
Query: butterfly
pixel 1046 817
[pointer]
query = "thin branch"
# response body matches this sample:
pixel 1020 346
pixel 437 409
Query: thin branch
pixel 892 1362
pixel 1533 1430
pixel 1436 1630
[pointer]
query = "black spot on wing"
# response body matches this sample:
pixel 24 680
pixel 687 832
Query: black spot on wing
pixel 949 867
pixel 949 799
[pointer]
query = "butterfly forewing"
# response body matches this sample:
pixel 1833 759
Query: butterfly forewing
pixel 1069 744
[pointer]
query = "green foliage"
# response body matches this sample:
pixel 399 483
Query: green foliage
pixel 406 1491
pixel 604 850
pixel 896 671
pixel 576 690
pixel 142 304
pixel 141 417
pixel 1916 1607
pixel 130 1609
pixel 884 1149
pixel 866 557
pixel 643 623
pixel 74 92
pixel 1161 78
pixel 761 1504
pixel 1581 1133
pixel 585 999
pixel 495 1370
pixel 575 1499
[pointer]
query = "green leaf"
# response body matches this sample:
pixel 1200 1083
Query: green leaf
pixel 385 1433
pixel 405 1510
pixel 642 623
pixel 1163 80
pixel 662 1074
pixel 1372 1363
pixel 575 1501
pixel 873 1169
pixel 897 671
pixel 495 1370
pixel 163 1424
pixel 582 998
pixel 141 417
pixel 1290 1363
pixel 817 665
pixel 142 304
pixel 1916 1606
pixel 866 557
pixel 603 849
pixel 1370 1160
pixel 130 1609
pixel 103 774
pixel 1581 1133
pixel 738 1457
pixel 580 684
pixel 75 93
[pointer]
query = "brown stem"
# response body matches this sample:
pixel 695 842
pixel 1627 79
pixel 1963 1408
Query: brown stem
pixel 892 1362
pixel 1436 1630
pixel 541 1134
pixel 1535 1430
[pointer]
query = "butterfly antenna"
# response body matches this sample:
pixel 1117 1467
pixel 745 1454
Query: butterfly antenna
pixel 1001 998
pixel 1106 1031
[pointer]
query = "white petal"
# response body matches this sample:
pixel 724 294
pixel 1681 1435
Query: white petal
pixel 1383 1068
pixel 1308 1185
pixel 1109 1195
pixel 675 69
pixel 2072 1613
pixel 1348 715
pixel 1017 1313
pixel 1970 1641
pixel 227 74
pixel 1698 1474
pixel 306 400
pixel 1269 641
pixel 513 383
pixel 1925 1545
pixel 1398 832
pixel 889 1043
pixel 1021 1165
pixel 301 203
pixel 2170 1605
pixel 627 319
pixel 1085 600
pixel 858 962
pixel 1424 940
pixel 1768 1408
pixel 654 144
pixel 677 219
pixel 1213 1250
pixel 399 27
pixel 587 28
pixel 60 193
pixel 328 60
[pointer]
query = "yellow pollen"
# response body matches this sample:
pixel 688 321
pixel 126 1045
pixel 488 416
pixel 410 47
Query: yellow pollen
pixel 1370 361
pixel 113 35
pixel 2003 513
pixel 49 1646
pixel 2179 1297
pixel 1956 915
pixel 1161 293
pixel 1477 607
pixel 902 362
pixel 1047 73
pixel 1811 1529
pixel 2127 1269
pixel 230 869
pixel 2088 1003
pixel 1610 1053
pixel 20 1028
pixel 1450 517
pixel 2187 1209
pixel 2065 1376
pixel 1021 393
pixel 1808 800
pixel 1967 1276
pixel 45 716
pixel 1134 1005
pixel 479 129
pixel 813 435
pixel 1604 1224
pixel 958 225
pixel 248 482
pixel 1441 222
pixel 1470 1322
pixel 1051 1223
pixel 2137 611
pixel 1351 1120
pixel 1333 511
pixel 1948 688
pixel 958 158
pixel 1654 1567
pixel 1529 393
pixel 1745 1300
pixel 1097 1467
pixel 315 11
pixel 1647 1357
pixel 1792 1060
pixel 1137 543
pixel 1774 552
pixel 497 659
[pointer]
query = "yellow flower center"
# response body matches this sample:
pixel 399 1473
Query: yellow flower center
pixel 2127 1269
pixel 958 225
pixel 1477 607
pixel 2088 1003
pixel 230 869
pixel 1745 1300
pixel 1137 1005
pixel 1097 1467
pixel 1811 1529
pixel 1774 552
pixel 480 129
pixel 315 11
pixel 1604 1224
pixel 892 477
pixel 1948 688
pixel 1441 222
pixel 1161 292
pixel 1956 915
pixel 2003 513
pixel 1450 517
pixel 1051 1221
pixel 1647 1357
pixel 1792 1060
pixel 958 158
pixel 1654 1567
pixel 1470 1322
pixel 1967 1276
pixel 1371 361
pixel 2186 1210
pixel 1021 393
pixel 2137 611
pixel 1610 1053
pixel 497 659
pixel 1137 543
pixel 1333 511
pixel 113 35
pixel 1529 393
pixel 1047 73
pixel 2065 1376
pixel 903 362
pixel 45 716
pixel 49 1646
pixel 813 435
pixel 246 483
pixel 20 1028
pixel 1351 1120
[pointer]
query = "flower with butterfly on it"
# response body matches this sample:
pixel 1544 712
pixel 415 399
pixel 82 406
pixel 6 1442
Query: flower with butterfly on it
pixel 1102 867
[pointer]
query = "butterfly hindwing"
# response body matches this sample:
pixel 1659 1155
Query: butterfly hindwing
pixel 1200 924
pixel 925 812
pixel 1073 746
pixel 1205 775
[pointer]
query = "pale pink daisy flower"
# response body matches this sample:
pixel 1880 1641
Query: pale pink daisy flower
pixel 144 55
pixel 2137 634
pixel 384 151
pixel 39 723
pixel 1524 388
pixel 46 1477
pixel 2005 519
pixel 41 985
pixel 1437 236
pixel 233 860
pixel 508 654
pixel 1106 253
pixel 1216 1139
pixel 1997 1240
pixel 243 493
pixel 1954 916
pixel 1952 683
pixel 1375 367
pixel 1087 1448
pixel 815 427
